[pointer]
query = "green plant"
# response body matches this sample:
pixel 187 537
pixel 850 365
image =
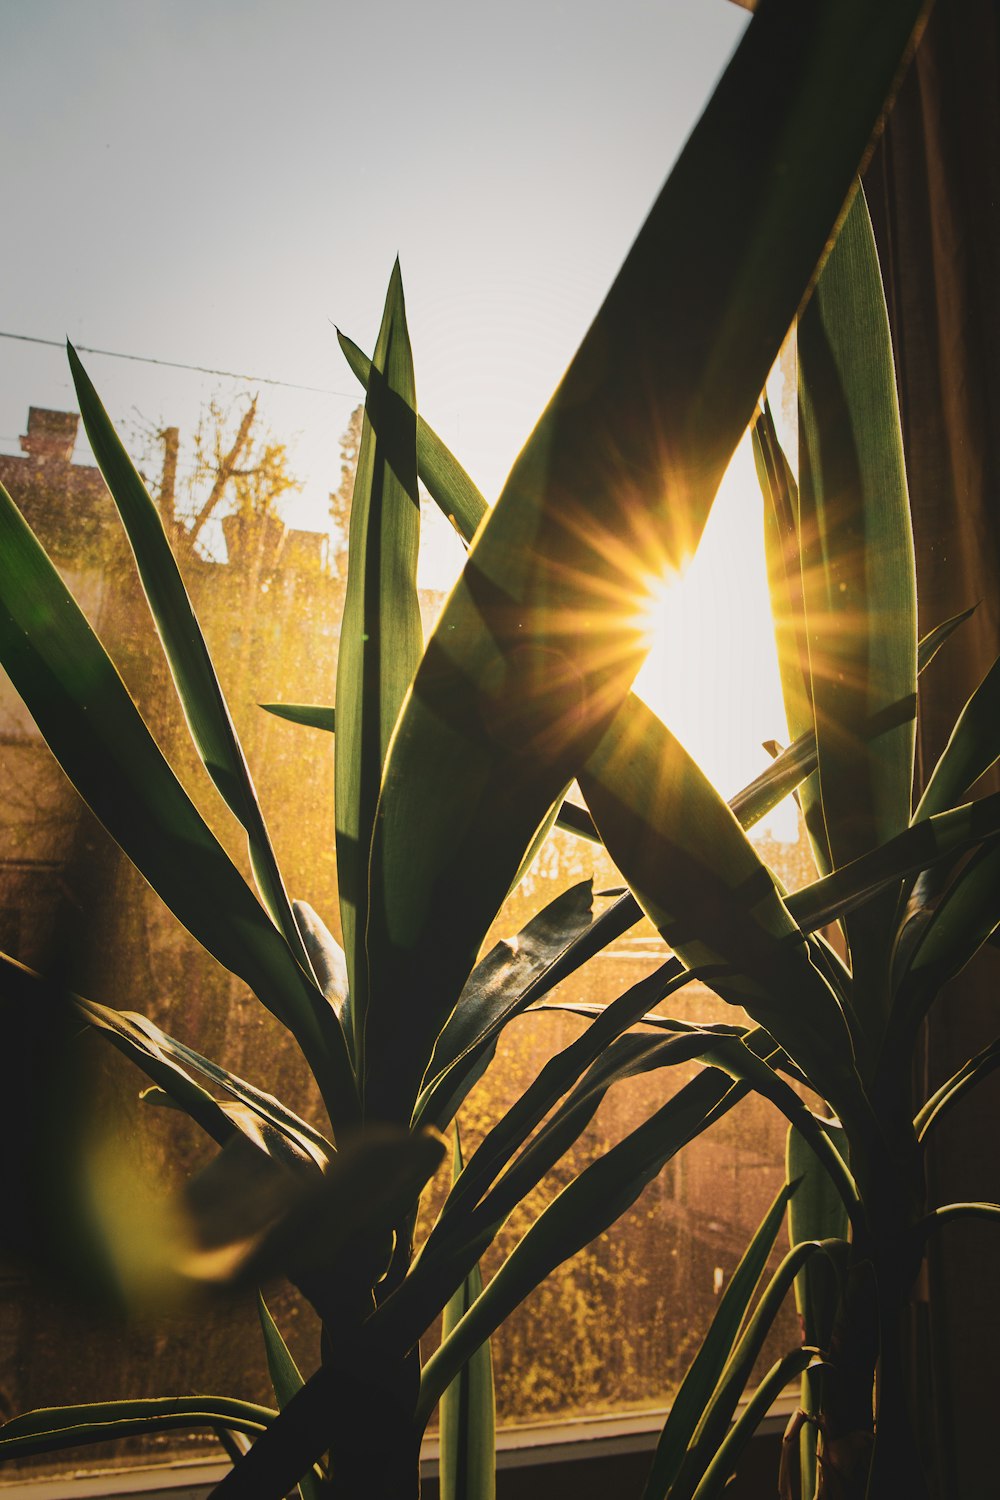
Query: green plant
pixel 912 890
pixel 451 763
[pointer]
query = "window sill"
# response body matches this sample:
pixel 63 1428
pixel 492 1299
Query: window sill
pixel 529 1446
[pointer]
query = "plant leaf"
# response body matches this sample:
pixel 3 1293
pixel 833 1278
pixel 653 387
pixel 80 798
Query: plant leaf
pixel 973 747
pixel 534 651
pixel 284 1372
pixel 931 643
pixel 782 549
pixel 286 1381
pixel 715 903
pixel 447 482
pixel 953 931
pixel 329 964
pixel 381 637
pixel 858 575
pixel 514 974
pixel 958 1085
pixel 54 1427
pixel 84 712
pixel 592 1201
pixel 467 1414
pixel 706 1368
pixel 312 715
pixel 198 689
pixel 816 1212
pixel 726 1457
pixel 703 1456
pixel 941 837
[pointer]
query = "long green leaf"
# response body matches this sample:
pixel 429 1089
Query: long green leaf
pixel 592 1201
pixel 171 1063
pixel 940 838
pixel 858 573
pixel 709 1436
pixel 286 1381
pixel 631 1055
pixel 198 689
pixel 534 651
pixel 447 482
pixel 468 1413
pixel 782 550
pixel 972 748
pixel 960 924
pixel 288 1448
pixel 931 643
pixel 512 976
pixel 706 1368
pixel 54 1427
pixel 312 715
pixel 950 1213
pixel 703 884
pixel 817 1212
pixel 83 710
pixel 329 965
pixel 723 1464
pixel 958 1085
pixel 278 1130
pixel 381 637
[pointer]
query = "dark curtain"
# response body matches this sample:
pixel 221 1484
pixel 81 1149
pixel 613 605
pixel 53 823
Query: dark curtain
pixel 934 190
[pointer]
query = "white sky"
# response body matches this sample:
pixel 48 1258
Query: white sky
pixel 217 183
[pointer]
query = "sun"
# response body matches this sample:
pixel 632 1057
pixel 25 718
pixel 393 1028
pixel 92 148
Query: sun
pixel 712 671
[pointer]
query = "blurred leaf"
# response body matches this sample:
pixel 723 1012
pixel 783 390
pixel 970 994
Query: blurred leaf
pixel 286 1381
pixel 706 1368
pixel 51 1428
pixel 83 710
pixel 535 651
pixel 198 689
pixel 716 904
pixel 858 575
pixel 249 1218
pixel 467 1414
pixel 381 637
pixel 313 715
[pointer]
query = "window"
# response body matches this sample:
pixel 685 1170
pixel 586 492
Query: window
pixel 654 1279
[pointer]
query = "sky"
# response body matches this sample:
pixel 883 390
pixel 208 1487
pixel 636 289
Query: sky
pixel 219 184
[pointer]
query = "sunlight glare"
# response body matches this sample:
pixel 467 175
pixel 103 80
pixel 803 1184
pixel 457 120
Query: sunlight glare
pixel 712 671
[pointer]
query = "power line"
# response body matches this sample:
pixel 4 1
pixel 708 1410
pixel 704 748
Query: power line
pixel 174 364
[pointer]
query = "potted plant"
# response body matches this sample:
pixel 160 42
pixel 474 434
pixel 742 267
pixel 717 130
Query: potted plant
pixel 451 761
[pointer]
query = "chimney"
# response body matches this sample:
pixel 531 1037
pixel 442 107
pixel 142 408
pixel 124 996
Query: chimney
pixel 50 435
